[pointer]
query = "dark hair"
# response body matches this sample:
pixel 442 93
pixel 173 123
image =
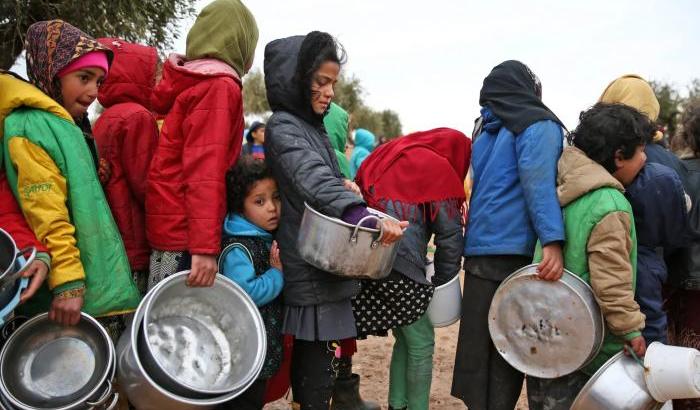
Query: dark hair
pixel 606 128
pixel 241 178
pixel 691 127
pixel 317 48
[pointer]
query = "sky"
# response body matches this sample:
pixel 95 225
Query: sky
pixel 427 60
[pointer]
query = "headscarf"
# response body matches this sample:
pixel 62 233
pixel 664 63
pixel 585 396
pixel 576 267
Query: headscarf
pixel 225 30
pixel 423 168
pixel 51 46
pixel 633 91
pixel 514 94
pixel 336 123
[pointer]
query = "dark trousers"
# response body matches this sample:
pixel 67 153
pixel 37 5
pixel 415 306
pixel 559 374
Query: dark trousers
pixel 482 379
pixel 251 399
pixel 314 371
pixel 555 394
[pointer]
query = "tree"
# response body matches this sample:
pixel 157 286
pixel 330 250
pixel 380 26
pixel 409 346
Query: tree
pixel 254 94
pixel 670 102
pixel 153 22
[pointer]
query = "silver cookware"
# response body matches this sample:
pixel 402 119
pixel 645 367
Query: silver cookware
pixel 545 329
pixel 335 246
pixel 13 262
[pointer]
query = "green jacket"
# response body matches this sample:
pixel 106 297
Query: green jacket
pixel 336 123
pixel 601 246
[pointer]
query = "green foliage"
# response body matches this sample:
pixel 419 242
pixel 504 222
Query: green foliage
pixel 254 95
pixel 670 102
pixel 152 22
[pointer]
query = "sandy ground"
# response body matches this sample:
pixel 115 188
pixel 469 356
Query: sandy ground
pixel 371 362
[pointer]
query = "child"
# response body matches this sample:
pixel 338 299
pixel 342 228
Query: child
pixel 364 144
pixel 601 242
pixel 126 134
pixel 201 138
pixel 255 138
pixel 252 259
pixel 51 164
pixel 336 123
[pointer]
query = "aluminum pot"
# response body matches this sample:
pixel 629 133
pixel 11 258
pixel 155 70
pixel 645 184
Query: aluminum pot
pixel 445 307
pixel 44 365
pixel 140 388
pixel 344 249
pixel 13 262
pixel 618 384
pixel 545 329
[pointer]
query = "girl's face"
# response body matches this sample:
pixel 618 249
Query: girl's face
pixel 322 86
pixel 627 169
pixel 79 89
pixel 262 205
pixel 259 136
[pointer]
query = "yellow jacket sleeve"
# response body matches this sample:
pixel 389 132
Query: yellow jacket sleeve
pixel 42 195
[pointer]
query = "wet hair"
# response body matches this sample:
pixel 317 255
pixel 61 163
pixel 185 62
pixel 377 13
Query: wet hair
pixel 241 178
pixel 606 128
pixel 317 48
pixel 691 127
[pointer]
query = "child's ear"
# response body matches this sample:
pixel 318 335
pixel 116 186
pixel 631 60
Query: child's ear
pixel 619 159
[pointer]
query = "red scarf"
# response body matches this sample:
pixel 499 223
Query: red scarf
pixel 424 168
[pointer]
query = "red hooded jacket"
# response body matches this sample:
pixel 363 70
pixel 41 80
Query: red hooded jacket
pixel 12 220
pixel 201 138
pixel 126 134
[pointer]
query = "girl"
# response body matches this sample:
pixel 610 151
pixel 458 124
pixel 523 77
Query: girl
pixel 200 95
pixel 255 138
pixel 300 73
pixel 50 160
pixel 418 178
pixel 364 144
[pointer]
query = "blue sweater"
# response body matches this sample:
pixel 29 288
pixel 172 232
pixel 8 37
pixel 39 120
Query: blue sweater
pixel 237 266
pixel 514 200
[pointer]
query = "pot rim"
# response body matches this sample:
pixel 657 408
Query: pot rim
pixel 110 369
pixel 9 269
pixel 338 221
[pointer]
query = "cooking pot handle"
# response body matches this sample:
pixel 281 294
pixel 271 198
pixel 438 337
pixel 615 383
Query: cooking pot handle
pixel 109 393
pixel 27 259
pixel 353 238
pixel 11 325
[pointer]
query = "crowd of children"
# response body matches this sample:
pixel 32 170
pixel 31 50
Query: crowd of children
pixel 164 183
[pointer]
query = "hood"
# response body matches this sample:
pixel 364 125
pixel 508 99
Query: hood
pixel 336 123
pixel 579 175
pixel 238 225
pixel 180 74
pixel 633 91
pixel 364 139
pixel 132 74
pixel 225 30
pixel 283 90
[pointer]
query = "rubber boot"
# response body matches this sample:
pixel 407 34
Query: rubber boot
pixel 346 395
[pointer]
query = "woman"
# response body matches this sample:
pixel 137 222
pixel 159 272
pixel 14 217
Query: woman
pixel 418 178
pixel 300 73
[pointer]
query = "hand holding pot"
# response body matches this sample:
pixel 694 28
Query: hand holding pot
pixel 638 346
pixel 392 231
pixel 203 272
pixel 37 271
pixel 351 186
pixel 66 310
pixel 552 265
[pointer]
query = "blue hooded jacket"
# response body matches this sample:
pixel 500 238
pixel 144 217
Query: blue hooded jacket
pixel 364 145
pixel 514 200
pixel 237 266
pixel 661 219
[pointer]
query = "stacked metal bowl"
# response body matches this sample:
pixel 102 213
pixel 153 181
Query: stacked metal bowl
pixel 191 348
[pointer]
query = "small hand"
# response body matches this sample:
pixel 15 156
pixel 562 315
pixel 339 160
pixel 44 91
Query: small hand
pixel 638 345
pixel 393 231
pixel 66 311
pixel 104 173
pixel 203 272
pixel 275 260
pixel 552 265
pixel 351 186
pixel 37 271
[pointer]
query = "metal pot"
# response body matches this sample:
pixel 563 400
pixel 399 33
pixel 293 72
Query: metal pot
pixel 202 342
pixel 141 389
pixel 618 384
pixel 44 365
pixel 545 329
pixel 344 249
pixel 445 307
pixel 12 265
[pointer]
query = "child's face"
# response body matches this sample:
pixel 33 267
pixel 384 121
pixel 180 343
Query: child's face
pixel 322 86
pixel 79 89
pixel 627 169
pixel 262 205
pixel 259 136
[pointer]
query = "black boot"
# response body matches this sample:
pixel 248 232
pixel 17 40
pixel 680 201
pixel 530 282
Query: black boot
pixel 346 395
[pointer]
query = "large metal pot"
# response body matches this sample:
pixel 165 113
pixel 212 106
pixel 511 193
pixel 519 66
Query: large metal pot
pixel 545 329
pixel 141 389
pixel 13 262
pixel 344 249
pixel 44 365
pixel 202 341
pixel 618 384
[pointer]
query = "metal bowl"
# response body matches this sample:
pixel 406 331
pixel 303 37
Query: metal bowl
pixel 12 263
pixel 202 341
pixel 44 365
pixel 545 329
pixel 618 384
pixel 346 250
